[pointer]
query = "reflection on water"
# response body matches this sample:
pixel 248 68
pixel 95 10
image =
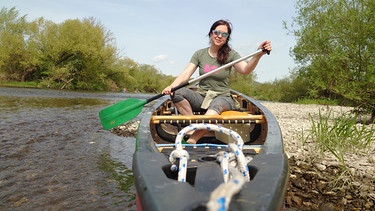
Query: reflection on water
pixel 50 102
pixel 120 174
pixel 56 156
pixel 12 103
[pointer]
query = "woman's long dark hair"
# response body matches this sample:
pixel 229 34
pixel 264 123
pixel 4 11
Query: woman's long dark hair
pixel 223 54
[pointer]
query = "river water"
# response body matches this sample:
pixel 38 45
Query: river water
pixel 54 154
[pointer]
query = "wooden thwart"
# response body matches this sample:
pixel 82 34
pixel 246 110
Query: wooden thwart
pixel 167 148
pixel 240 119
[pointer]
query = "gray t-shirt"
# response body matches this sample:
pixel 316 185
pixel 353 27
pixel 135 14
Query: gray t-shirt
pixel 218 82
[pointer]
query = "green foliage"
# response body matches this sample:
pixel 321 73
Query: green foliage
pixel 17 52
pixel 151 80
pixel 288 89
pixel 79 55
pixel 75 54
pixel 241 83
pixel 335 49
pixel 31 84
pixel 309 101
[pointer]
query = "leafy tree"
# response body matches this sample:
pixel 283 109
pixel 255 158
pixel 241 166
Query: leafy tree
pixel 335 49
pixel 74 54
pixel 241 83
pixel 18 52
pixel 79 54
pixel 150 79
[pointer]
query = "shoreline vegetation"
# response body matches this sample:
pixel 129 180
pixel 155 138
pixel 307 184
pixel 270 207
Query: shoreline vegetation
pixel 17 84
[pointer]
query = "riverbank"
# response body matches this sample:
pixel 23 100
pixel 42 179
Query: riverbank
pixel 317 181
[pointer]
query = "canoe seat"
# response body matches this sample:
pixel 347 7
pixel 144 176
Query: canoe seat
pixel 243 122
pixel 208 177
pixel 228 117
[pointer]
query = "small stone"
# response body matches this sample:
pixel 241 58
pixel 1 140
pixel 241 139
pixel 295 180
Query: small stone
pixel 288 200
pixel 292 176
pixel 369 205
pixel 307 204
pixel 321 185
pixel 308 176
pixel 320 167
pixel 326 206
pixel 297 200
pixel 315 192
pixel 303 165
pixel 19 202
pixel 297 183
pixel 352 171
pixel 330 193
pixel 344 201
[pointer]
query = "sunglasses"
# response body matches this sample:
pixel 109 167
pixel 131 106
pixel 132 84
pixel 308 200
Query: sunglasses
pixel 218 33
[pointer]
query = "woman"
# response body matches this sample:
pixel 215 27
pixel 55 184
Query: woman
pixel 213 94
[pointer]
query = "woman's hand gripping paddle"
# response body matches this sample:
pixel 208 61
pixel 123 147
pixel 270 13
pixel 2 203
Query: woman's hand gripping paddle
pixel 126 110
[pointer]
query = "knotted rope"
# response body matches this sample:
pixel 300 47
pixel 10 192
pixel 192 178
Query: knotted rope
pixel 233 164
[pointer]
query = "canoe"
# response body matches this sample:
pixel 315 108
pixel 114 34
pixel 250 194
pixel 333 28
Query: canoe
pixel 240 164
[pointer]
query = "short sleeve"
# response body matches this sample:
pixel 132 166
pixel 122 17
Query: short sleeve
pixel 234 55
pixel 195 58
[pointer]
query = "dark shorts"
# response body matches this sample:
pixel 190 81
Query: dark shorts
pixel 218 104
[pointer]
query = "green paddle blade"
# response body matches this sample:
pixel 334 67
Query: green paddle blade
pixel 121 112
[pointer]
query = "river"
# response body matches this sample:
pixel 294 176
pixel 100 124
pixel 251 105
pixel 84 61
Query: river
pixel 55 155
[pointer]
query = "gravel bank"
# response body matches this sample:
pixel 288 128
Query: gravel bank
pixel 317 182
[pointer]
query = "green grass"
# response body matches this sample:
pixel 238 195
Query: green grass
pixel 306 101
pixel 31 84
pixel 341 136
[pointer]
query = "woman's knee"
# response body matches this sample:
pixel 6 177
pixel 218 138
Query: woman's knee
pixel 179 95
pixel 221 104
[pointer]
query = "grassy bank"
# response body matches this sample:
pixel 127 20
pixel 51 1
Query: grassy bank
pixel 31 84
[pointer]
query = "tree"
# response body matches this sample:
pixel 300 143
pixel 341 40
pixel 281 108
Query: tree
pixel 75 54
pixel 150 79
pixel 241 83
pixel 335 49
pixel 18 52
pixel 79 54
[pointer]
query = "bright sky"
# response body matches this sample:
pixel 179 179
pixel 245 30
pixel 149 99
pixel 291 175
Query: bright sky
pixel 166 33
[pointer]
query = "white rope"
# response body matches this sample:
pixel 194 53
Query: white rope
pixel 231 133
pixel 233 164
pixel 241 161
pixel 235 172
pixel 183 157
pixel 222 195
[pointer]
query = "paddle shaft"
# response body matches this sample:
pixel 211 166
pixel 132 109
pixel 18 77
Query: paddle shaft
pixel 210 73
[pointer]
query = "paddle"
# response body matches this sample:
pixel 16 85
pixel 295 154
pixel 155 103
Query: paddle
pixel 126 110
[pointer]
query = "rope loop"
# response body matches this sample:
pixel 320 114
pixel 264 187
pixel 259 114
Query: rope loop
pixel 233 164
pixel 183 157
